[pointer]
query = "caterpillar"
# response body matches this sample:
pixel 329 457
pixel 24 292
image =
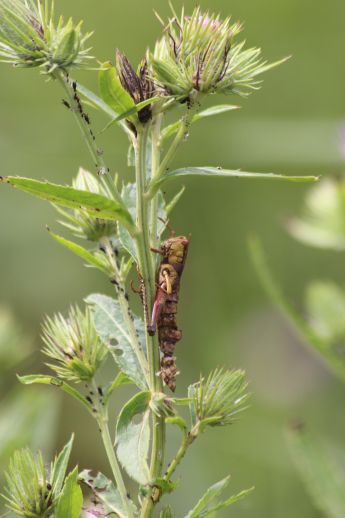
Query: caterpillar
pixel 174 253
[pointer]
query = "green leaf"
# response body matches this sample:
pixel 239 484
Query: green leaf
pixel 132 111
pixel 121 379
pixel 334 359
pixel 59 467
pixel 209 112
pixel 129 195
pixel 320 467
pixel 106 493
pixel 71 500
pixel 226 173
pixel 205 508
pixel 110 325
pixel 172 203
pixel 133 438
pixel 167 512
pixel 80 252
pixel 325 302
pixel 112 92
pixel 55 382
pixel 322 222
pixel 97 205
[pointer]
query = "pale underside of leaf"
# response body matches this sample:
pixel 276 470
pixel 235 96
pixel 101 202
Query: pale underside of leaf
pixel 110 325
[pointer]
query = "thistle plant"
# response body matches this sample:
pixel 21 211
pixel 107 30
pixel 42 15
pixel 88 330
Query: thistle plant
pixel 122 228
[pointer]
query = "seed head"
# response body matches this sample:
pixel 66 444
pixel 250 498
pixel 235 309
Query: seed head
pixel 73 344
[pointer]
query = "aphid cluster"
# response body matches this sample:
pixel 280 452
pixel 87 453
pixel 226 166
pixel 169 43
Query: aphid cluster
pixel 174 253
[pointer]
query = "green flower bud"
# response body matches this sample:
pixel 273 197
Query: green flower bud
pixel 217 400
pixel 67 46
pixel 199 54
pixel 28 490
pixel 79 221
pixel 74 345
pixel 30 38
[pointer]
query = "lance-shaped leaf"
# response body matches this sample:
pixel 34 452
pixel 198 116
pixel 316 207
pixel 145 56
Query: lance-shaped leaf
pixel 209 503
pixel 97 205
pixel 55 382
pixel 321 470
pixel 106 494
pixel 59 467
pixel 129 194
pixel 112 92
pixel 133 437
pixel 218 172
pixel 132 111
pixel 110 325
pixel 309 331
pixel 81 252
pixel 71 499
pixel 209 112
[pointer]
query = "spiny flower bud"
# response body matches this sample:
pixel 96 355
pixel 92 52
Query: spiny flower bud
pixel 79 221
pixel 30 38
pixel 138 85
pixel 28 490
pixel 198 54
pixel 74 345
pixel 217 400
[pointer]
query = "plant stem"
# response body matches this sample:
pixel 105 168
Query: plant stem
pixel 102 420
pixel 147 270
pixel 188 439
pixel 181 135
pixel 155 164
pixel 96 154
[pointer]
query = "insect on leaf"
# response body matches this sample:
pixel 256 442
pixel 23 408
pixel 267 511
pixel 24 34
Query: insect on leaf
pixel 97 205
pixel 110 326
pixel 133 438
pixel 71 499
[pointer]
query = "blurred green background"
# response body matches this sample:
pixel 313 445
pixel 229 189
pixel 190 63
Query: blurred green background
pixel 291 126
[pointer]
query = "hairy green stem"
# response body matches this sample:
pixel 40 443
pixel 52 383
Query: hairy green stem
pixel 96 154
pixel 187 441
pixel 102 420
pixel 181 135
pixel 147 270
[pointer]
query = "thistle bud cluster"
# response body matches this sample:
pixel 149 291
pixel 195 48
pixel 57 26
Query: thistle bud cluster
pixel 29 37
pixel 199 54
pixel 74 346
pixel 217 400
pixel 79 221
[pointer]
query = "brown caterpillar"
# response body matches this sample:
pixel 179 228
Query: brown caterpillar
pixel 174 254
